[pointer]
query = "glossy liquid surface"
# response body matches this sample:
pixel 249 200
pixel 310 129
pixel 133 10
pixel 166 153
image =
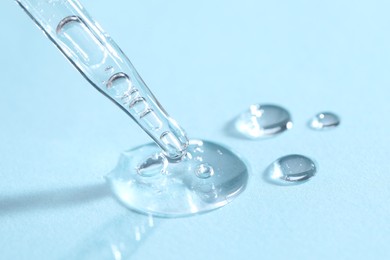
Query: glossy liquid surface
pixel 324 120
pixel 291 169
pixel 261 121
pixel 208 177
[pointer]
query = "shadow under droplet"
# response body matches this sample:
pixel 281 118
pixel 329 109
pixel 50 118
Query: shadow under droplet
pixel 119 238
pixel 52 199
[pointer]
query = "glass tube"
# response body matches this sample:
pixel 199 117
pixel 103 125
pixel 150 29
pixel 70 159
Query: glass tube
pixel 107 68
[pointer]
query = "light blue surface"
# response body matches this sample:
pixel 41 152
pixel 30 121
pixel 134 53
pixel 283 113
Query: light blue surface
pixel 206 61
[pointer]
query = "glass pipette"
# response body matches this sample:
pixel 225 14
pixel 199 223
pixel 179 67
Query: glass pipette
pixel 176 178
pixel 106 67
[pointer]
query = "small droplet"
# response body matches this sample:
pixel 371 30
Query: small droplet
pixel 204 171
pixel 291 169
pixel 263 120
pixel 119 85
pixel 152 166
pixel 324 120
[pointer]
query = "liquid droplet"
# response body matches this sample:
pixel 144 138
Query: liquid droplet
pixel 119 85
pixel 186 187
pixel 153 165
pixel 263 121
pixel 204 171
pixel 324 120
pixel 291 169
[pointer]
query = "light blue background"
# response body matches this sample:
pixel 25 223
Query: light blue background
pixel 206 61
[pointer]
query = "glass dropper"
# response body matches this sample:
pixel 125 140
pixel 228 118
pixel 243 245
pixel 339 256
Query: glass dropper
pixel 106 67
pixel 171 177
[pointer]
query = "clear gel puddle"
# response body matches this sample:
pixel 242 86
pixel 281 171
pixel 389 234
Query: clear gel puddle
pixel 291 170
pixel 208 177
pixel 324 120
pixel 263 121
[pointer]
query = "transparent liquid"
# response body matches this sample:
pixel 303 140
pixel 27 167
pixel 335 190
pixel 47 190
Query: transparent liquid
pixel 165 178
pixel 263 121
pixel 324 120
pixel 208 177
pixel 291 169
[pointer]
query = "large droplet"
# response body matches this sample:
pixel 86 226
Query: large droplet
pixel 263 121
pixel 208 177
pixel 291 169
pixel 324 120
